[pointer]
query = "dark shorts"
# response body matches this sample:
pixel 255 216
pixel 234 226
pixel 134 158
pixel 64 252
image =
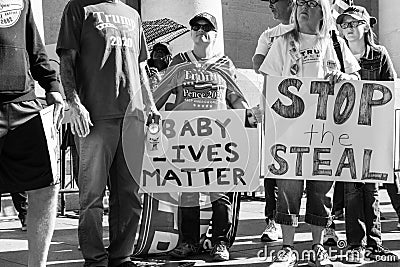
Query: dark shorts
pixel 24 157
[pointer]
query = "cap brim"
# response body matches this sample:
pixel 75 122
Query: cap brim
pixel 340 18
pixel 162 46
pixel 196 19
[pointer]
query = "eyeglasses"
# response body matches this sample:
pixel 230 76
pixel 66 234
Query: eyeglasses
pixel 310 3
pixel 205 27
pixel 351 24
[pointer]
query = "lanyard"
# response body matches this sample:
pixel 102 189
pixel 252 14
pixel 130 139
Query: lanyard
pixel 295 56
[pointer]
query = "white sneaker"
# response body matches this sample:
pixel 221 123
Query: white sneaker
pixel 286 257
pixel 330 237
pixel 272 232
pixel 320 257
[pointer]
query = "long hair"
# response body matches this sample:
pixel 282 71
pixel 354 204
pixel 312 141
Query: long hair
pixel 369 36
pixel 326 24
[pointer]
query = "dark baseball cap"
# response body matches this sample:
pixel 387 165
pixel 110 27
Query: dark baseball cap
pixel 357 12
pixel 164 46
pixel 204 16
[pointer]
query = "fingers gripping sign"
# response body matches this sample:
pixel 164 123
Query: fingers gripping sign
pixel 255 115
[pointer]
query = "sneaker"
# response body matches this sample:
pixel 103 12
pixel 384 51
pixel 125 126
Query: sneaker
pixel 380 253
pixel 339 214
pixel 320 257
pixel 184 250
pixel 355 254
pixel 220 252
pixel 285 257
pixel 23 223
pixel 330 237
pixel 127 264
pixel 272 232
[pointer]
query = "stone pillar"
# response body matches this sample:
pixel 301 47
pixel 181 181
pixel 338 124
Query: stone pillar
pixel 182 11
pixel 37 8
pixel 389 30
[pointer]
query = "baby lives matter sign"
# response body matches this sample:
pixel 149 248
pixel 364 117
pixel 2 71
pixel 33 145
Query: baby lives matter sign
pixel 319 132
pixel 204 151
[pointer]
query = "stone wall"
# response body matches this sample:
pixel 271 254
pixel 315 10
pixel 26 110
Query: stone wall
pixel 389 32
pixel 245 20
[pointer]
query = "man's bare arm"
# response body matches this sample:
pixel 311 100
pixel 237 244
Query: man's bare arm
pixel 80 117
pixel 67 71
pixel 257 59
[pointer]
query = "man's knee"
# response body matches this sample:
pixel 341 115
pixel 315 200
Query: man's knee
pixel 48 193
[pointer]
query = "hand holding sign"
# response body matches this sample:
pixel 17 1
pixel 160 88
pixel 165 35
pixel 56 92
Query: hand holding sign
pixel 337 76
pixel 255 115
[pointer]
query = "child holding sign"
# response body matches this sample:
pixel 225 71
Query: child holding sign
pixel 202 79
pixel 363 228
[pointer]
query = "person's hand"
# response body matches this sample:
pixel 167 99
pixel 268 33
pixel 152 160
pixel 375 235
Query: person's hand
pixel 80 119
pixel 154 78
pixel 337 76
pixel 59 107
pixel 257 59
pixel 254 115
pixel 153 71
pixel 155 111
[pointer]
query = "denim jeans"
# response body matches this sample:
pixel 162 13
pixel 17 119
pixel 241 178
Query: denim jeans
pixel 319 202
pixel 221 217
pixel 363 226
pixel 338 197
pixel 271 194
pixel 101 158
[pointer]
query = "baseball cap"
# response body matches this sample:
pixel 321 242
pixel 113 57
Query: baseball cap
pixel 204 16
pixel 164 46
pixel 357 12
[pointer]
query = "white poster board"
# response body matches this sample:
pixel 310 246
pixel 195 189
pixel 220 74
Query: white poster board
pixel 51 133
pixel 319 132
pixel 205 151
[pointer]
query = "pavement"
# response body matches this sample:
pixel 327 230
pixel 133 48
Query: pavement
pixel 247 250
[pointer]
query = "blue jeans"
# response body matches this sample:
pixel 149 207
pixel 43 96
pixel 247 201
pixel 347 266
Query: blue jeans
pixel 101 158
pixel 363 225
pixel 338 197
pixel 319 202
pixel 221 217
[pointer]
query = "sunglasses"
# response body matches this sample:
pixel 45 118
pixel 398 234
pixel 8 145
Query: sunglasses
pixel 351 24
pixel 205 27
pixel 310 3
